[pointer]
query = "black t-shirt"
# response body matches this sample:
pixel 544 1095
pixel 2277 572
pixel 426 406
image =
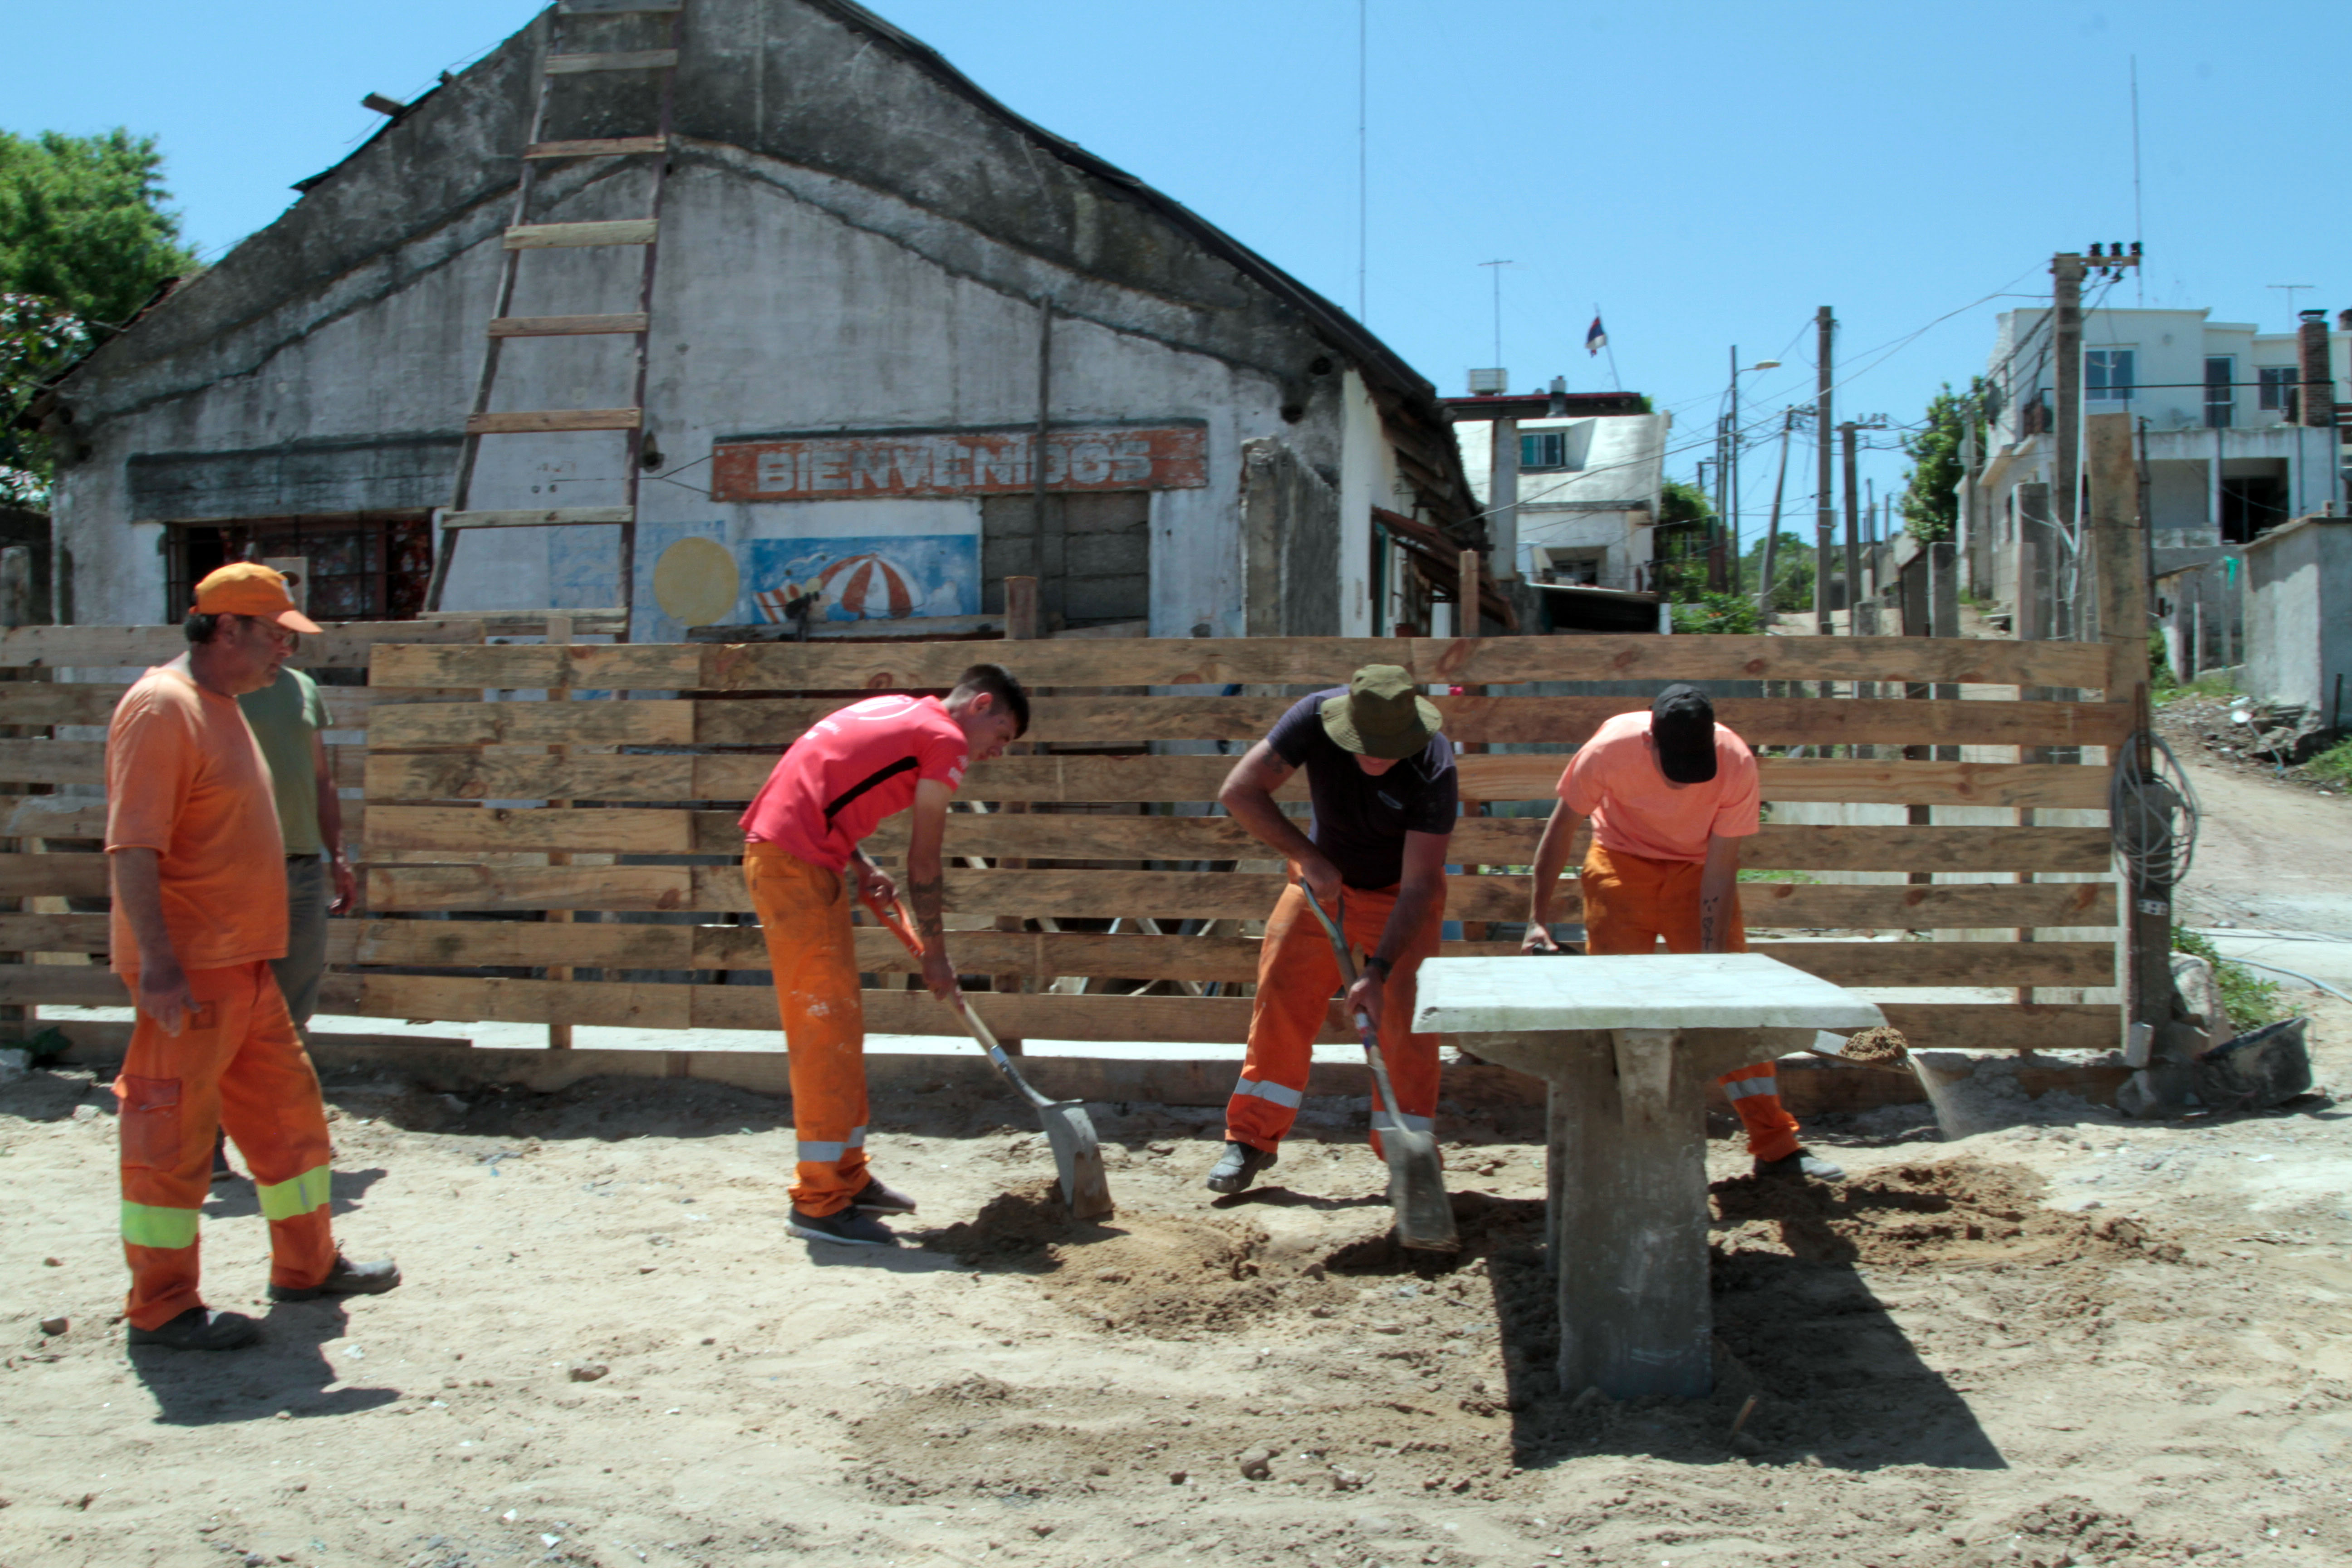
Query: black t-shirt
pixel 1360 821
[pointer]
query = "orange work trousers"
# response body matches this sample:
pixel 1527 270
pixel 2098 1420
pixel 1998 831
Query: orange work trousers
pixel 1297 976
pixel 238 1064
pixel 1630 902
pixel 804 914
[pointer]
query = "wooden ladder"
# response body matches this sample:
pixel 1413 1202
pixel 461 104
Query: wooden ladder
pixel 522 235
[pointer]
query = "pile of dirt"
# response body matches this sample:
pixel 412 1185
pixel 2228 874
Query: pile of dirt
pixel 1881 1043
pixel 1962 1212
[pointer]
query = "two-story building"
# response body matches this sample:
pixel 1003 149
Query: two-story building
pixel 2230 445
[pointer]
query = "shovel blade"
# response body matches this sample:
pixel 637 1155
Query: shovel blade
pixel 1078 1159
pixel 1425 1215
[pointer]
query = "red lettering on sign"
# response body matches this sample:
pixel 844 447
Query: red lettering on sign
pixel 959 463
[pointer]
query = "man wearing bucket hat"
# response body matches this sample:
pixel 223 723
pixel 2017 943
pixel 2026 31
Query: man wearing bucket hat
pixel 1671 794
pixel 199 878
pixel 1382 782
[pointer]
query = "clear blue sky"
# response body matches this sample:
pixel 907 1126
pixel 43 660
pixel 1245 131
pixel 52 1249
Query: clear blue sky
pixel 1709 174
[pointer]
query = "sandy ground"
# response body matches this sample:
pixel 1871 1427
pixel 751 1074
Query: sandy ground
pixel 2094 1342
pixel 2080 1340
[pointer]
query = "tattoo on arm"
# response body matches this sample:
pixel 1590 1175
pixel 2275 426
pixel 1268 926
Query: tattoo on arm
pixel 929 896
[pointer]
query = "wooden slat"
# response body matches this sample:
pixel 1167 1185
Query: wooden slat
pixel 344 644
pixel 25 984
pixel 54 817
pixel 1144 778
pixel 80 876
pixel 53 933
pixel 612 231
pixel 2008 1027
pixel 612 60
pixel 543 421
pixel 1479 840
pixel 93 702
pixel 598 147
pixel 567 326
pixel 1115 719
pixel 1222 894
pixel 1911 963
pixel 466 1000
pixel 53 761
pixel 1177 661
pixel 557 517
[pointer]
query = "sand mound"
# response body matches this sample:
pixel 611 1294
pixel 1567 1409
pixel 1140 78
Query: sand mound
pixel 1963 1212
pixel 1881 1044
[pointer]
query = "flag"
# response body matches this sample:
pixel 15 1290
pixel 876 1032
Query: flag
pixel 1596 339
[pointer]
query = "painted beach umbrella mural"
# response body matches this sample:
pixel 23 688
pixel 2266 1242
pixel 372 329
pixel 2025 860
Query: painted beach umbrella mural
pixel 870 587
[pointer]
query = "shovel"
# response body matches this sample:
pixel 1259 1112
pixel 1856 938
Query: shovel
pixel 1078 1154
pixel 1424 1216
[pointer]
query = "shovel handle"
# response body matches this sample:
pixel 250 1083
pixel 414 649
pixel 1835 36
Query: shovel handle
pixel 894 920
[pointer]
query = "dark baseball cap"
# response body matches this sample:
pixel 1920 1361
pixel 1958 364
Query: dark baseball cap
pixel 1682 722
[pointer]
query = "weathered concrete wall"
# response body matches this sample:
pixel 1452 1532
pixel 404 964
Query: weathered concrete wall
pixel 2299 612
pixel 849 242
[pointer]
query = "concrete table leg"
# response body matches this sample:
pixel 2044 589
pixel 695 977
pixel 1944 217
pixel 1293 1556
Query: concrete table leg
pixel 1629 1217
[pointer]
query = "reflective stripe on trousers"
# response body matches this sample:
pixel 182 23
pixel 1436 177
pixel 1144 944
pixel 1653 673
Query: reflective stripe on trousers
pixel 236 1064
pixel 1296 978
pixel 804 915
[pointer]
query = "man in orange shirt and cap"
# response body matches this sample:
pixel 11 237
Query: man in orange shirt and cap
pixel 199 912
pixel 1671 794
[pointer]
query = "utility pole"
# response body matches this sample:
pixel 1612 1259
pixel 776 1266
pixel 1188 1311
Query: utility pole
pixel 1853 532
pixel 1825 498
pixel 1772 533
pixel 2067 270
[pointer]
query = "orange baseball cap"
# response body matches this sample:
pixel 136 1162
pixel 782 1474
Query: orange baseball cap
pixel 249 588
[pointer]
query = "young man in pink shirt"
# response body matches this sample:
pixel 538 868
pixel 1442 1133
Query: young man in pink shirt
pixel 1671 794
pixel 802 865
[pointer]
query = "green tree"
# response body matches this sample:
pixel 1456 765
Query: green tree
pixel 1931 506
pixel 84 242
pixel 1792 571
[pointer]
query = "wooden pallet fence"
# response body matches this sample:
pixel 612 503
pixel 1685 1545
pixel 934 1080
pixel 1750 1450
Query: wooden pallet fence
pixel 451 788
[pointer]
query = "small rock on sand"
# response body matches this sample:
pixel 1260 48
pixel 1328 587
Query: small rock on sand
pixel 588 1371
pixel 54 1325
pixel 1258 1465
pixel 1881 1044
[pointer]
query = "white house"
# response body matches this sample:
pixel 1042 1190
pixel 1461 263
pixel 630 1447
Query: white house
pixel 1586 487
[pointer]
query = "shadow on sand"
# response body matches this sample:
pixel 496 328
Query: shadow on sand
pixel 287 1372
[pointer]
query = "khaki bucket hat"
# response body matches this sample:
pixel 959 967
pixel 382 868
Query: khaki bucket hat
pixel 1381 715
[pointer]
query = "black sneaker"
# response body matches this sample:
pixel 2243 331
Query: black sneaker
pixel 346 1279
pixel 1239 1167
pixel 875 1197
pixel 849 1227
pixel 1803 1163
pixel 198 1329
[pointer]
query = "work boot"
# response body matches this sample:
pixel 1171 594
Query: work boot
pixel 1239 1167
pixel 199 1328
pixel 346 1279
pixel 848 1227
pixel 1803 1163
pixel 874 1197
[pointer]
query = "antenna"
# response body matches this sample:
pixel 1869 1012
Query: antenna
pixel 1363 182
pixel 2139 229
pixel 2292 289
pixel 1499 267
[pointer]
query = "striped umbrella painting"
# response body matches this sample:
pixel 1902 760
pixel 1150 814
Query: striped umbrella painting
pixel 869 587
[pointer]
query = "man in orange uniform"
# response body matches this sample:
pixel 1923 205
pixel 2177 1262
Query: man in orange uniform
pixel 831 788
pixel 199 913
pixel 1671 794
pixel 1385 796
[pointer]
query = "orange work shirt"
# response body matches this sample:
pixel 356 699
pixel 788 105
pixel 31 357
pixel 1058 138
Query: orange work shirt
pixel 185 778
pixel 1614 779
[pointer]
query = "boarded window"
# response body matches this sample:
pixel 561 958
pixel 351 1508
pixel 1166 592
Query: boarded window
pixel 1093 566
pixel 369 567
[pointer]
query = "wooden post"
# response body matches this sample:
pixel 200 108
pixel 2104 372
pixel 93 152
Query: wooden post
pixel 559 633
pixel 2119 558
pixel 1628 1219
pixel 1465 616
pixel 1021 625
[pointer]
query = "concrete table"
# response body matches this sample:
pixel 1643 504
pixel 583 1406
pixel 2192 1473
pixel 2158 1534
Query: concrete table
pixel 1629 1046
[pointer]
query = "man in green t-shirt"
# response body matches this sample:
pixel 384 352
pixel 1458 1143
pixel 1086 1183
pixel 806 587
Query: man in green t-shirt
pixel 288 717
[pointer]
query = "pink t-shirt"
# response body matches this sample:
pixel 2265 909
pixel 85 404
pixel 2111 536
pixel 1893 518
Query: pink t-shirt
pixel 1614 779
pixel 854 767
